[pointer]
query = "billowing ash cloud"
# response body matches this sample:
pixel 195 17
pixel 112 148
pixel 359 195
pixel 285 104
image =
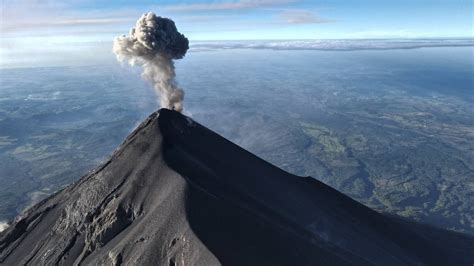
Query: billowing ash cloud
pixel 153 44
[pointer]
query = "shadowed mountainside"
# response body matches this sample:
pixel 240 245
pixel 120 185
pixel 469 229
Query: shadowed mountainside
pixel 176 193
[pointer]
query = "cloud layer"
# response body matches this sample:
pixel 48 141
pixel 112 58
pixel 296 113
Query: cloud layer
pixel 341 45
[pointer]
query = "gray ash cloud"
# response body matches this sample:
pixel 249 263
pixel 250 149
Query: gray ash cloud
pixel 154 43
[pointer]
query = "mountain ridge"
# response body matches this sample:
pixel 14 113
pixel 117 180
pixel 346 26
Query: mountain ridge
pixel 176 193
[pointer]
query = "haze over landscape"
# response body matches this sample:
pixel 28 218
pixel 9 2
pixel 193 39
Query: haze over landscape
pixel 379 108
pixel 392 128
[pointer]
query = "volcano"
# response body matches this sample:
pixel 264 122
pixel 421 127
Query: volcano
pixel 176 193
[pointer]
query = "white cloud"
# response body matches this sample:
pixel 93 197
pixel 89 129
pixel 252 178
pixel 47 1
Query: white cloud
pixel 3 226
pixel 15 26
pixel 227 5
pixel 35 15
pixel 297 16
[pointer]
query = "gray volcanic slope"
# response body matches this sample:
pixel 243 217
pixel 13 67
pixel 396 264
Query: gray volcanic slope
pixel 175 193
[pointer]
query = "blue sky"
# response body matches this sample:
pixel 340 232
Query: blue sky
pixel 55 28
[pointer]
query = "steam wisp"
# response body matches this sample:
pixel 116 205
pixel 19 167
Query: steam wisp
pixel 154 43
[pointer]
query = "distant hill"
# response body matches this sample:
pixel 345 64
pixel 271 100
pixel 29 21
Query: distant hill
pixel 176 193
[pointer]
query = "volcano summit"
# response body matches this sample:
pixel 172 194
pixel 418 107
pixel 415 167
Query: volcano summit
pixel 176 193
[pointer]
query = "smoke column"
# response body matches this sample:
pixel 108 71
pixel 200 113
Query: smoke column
pixel 153 44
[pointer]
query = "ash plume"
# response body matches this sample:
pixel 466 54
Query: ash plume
pixel 154 43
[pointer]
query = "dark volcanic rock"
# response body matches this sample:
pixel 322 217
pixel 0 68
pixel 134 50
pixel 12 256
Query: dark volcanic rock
pixel 175 193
